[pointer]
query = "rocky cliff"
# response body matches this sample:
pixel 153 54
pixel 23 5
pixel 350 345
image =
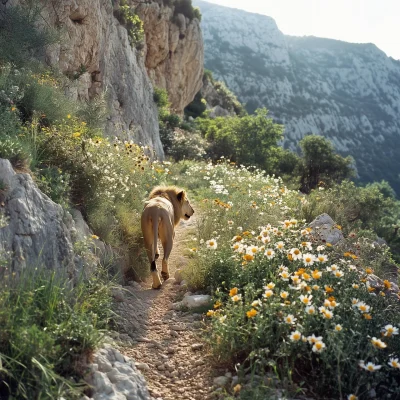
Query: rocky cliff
pixel 347 92
pixel 94 51
pixel 174 52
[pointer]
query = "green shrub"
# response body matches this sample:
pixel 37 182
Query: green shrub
pixel 186 8
pixel 186 145
pixel 49 329
pixel 246 140
pixel 321 164
pixel 55 184
pixel 160 97
pixel 134 25
pixel 372 207
pixel 197 13
pixel 12 149
pixel 197 107
pixel 20 38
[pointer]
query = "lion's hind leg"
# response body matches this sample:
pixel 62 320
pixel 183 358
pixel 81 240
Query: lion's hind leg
pixel 167 245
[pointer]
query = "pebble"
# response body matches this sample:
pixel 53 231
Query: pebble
pixel 142 366
pixel 197 346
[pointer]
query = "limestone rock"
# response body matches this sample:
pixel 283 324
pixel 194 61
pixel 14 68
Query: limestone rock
pixel 178 276
pixel 116 380
pixel 197 301
pixel 174 52
pixel 39 232
pixel 325 230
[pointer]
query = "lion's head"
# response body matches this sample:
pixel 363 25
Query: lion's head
pixel 178 198
pixel 186 209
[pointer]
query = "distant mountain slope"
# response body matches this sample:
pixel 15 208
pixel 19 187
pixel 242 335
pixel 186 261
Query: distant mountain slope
pixel 347 92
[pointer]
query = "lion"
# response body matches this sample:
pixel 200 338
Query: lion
pixel 166 206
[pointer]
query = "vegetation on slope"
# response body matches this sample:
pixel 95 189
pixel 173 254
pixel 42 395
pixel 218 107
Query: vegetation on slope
pixel 285 301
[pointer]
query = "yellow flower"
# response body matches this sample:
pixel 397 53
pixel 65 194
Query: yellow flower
pixel 95 237
pixel 217 304
pixel 328 245
pixel 76 134
pixel 352 397
pixel 237 388
pixel 69 116
pixel 248 257
pixel 316 274
pixel 233 291
pixel 368 271
pixel 367 316
pixel 387 284
pixel 210 313
pixel 13 108
pixel 328 289
pixel 252 313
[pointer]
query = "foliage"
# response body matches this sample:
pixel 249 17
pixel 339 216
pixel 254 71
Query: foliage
pixel 160 97
pixel 320 163
pixel 275 286
pixel 134 25
pixel 186 8
pixel 12 149
pixel 197 107
pixel 229 100
pixel 20 38
pixel 55 184
pixel 372 207
pixel 28 93
pixel 49 327
pixel 247 140
pixel 186 145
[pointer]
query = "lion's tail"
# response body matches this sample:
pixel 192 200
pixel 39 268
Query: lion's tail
pixel 155 240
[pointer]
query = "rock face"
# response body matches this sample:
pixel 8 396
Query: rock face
pixel 35 230
pixel 174 52
pixel 114 376
pixel 220 100
pixel 347 92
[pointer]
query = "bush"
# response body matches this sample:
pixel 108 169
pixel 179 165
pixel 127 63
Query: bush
pixel 20 38
pixel 372 207
pixel 321 164
pixel 186 8
pixel 49 329
pixel 246 140
pixel 134 25
pixel 186 145
pixel 160 97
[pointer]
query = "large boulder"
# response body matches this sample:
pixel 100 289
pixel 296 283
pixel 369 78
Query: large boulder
pixel 325 229
pixel 34 231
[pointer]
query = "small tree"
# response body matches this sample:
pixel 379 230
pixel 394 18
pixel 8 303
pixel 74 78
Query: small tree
pixel 322 164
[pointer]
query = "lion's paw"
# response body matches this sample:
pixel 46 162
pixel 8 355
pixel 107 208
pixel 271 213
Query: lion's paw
pixel 164 275
pixel 156 288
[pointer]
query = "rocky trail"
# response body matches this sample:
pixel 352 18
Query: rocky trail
pixel 164 341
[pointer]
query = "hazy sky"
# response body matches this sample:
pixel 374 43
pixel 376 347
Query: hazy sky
pixel 359 21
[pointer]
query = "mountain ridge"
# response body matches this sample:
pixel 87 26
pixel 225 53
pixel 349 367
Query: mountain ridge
pixel 348 92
